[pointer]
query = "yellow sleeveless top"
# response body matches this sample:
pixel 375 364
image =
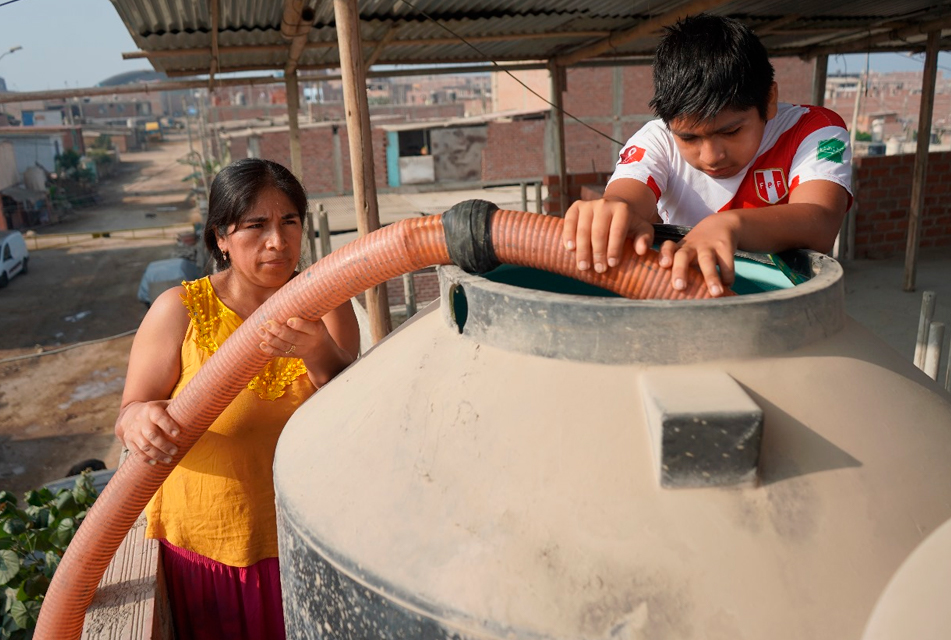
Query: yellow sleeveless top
pixel 219 501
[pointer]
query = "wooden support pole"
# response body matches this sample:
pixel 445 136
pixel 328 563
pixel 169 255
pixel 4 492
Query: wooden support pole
pixel 524 188
pixel 347 16
pixel 920 174
pixel 293 123
pixel 819 75
pixel 933 350
pixel 928 299
pixel 557 74
pixel 538 198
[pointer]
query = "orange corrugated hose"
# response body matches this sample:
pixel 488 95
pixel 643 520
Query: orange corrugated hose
pixel 518 238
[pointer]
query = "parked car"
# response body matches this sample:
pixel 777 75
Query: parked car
pixel 14 255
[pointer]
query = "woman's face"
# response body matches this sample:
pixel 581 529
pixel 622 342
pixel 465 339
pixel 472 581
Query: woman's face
pixel 264 246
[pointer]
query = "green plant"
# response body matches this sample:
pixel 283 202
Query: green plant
pixel 99 155
pixel 863 136
pixel 67 162
pixel 104 141
pixel 32 542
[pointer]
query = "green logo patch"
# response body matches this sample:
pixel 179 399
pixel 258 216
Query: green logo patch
pixel 831 150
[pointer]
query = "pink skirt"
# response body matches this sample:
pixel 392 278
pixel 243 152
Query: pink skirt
pixel 211 600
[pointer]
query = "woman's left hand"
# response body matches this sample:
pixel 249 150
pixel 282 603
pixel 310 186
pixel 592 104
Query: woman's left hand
pixel 309 341
pixel 296 338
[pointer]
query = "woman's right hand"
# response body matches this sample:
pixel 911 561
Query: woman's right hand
pixel 146 428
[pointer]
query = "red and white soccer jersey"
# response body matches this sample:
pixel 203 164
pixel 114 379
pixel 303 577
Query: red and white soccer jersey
pixel 801 143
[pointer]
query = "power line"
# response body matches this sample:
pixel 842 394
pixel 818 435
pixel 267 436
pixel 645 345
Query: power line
pixel 489 59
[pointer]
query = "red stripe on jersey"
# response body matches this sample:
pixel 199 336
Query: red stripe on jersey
pixel 781 154
pixel 654 187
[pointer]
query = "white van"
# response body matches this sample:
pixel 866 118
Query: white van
pixel 13 255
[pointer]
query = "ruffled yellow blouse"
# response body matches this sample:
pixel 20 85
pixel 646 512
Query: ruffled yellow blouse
pixel 219 501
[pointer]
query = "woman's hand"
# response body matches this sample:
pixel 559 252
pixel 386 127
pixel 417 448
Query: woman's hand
pixel 309 341
pixel 146 428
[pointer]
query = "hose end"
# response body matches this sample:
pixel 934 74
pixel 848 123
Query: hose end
pixel 467 227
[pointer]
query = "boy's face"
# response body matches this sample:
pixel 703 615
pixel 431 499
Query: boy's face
pixel 722 146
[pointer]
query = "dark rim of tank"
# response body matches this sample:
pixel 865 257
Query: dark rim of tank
pixel 619 331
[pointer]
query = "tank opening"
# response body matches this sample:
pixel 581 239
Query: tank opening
pixel 459 306
pixel 754 274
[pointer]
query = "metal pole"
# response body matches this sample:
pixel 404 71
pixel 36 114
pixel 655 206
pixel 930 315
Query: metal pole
pixel 409 294
pixel 311 241
pixel 928 300
pixel 324 226
pixel 933 352
pixel 347 16
pixel 921 160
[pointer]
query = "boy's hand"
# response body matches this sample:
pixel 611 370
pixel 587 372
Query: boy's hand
pixel 596 229
pixel 710 246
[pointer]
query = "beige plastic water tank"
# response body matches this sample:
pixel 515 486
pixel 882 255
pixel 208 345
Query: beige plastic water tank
pixel 516 463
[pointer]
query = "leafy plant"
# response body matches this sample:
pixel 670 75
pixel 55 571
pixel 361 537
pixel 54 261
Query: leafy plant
pixel 32 542
pixel 67 162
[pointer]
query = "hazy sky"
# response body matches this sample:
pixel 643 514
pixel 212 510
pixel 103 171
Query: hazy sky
pixel 79 43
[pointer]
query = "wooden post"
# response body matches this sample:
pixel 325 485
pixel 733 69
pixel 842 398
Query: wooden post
pixel 921 160
pixel 297 163
pixel 524 188
pixel 324 225
pixel 347 16
pixel 293 123
pixel 924 323
pixel 557 74
pixel 538 198
pixel 933 351
pixel 819 75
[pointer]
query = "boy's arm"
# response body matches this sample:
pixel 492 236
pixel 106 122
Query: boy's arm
pixel 810 220
pixel 596 229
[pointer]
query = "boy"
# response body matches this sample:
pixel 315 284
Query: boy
pixel 726 158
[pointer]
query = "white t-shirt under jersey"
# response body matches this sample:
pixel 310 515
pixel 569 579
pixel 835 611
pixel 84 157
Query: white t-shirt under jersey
pixel 801 143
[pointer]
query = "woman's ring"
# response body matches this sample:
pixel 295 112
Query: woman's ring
pixel 291 350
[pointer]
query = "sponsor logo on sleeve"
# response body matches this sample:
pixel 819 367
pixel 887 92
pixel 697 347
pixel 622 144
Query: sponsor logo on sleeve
pixel 770 185
pixel 831 150
pixel 631 154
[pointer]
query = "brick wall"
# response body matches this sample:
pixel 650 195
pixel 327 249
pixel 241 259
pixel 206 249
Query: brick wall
pixel 883 197
pixel 514 150
pixel 317 153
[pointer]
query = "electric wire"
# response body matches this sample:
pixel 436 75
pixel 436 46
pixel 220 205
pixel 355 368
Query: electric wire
pixel 506 71
pixel 40 354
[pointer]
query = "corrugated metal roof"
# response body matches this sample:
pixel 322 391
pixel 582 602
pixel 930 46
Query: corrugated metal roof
pixel 426 30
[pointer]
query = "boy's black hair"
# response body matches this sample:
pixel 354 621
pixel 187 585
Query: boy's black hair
pixel 705 64
pixel 235 190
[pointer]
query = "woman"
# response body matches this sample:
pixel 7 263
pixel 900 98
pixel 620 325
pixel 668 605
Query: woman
pixel 214 515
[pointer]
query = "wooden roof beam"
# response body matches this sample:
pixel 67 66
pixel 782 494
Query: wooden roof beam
pixel 215 15
pixel 264 48
pixel 920 30
pixel 296 25
pixel 643 29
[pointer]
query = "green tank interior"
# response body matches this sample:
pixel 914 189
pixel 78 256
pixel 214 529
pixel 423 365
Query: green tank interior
pixel 753 275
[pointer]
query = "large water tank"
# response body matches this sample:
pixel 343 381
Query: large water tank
pixel 525 463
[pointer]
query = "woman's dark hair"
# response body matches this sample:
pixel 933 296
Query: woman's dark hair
pixel 705 64
pixel 235 190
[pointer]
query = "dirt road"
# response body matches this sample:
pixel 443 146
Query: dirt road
pixel 59 409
